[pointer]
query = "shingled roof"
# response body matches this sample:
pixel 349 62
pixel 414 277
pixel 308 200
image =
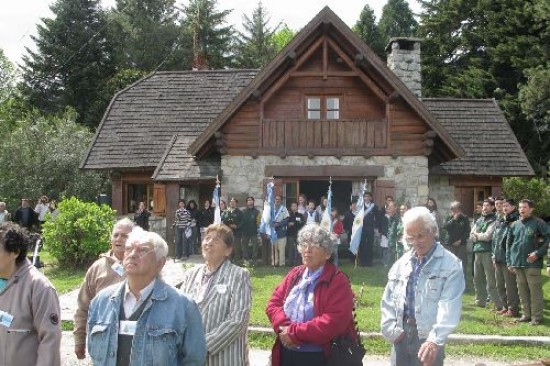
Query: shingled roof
pixel 479 126
pixel 138 128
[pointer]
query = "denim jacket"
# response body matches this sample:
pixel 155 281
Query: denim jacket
pixel 438 297
pixel 169 331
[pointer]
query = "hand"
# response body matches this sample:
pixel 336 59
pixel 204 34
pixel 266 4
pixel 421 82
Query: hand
pixel 512 270
pixel 427 353
pixel 456 243
pixel 233 226
pixel 532 258
pixel 456 216
pixel 80 351
pixel 285 338
pixel 400 338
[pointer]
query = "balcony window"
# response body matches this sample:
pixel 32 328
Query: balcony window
pixel 313 108
pixel 323 107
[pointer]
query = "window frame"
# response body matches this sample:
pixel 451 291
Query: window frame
pixel 324 109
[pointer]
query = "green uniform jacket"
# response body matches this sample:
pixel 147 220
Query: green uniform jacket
pixel 484 228
pixel 233 217
pixel 394 223
pixel 523 240
pixel 250 221
pixel 499 236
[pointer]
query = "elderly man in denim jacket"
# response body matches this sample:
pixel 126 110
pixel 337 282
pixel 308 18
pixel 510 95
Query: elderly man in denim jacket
pixel 422 302
pixel 143 321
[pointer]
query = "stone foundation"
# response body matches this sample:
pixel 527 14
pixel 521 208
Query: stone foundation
pixel 442 192
pixel 244 175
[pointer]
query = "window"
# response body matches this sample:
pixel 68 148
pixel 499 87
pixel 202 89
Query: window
pixel 313 108
pixel 139 193
pixel 333 108
pixel 323 107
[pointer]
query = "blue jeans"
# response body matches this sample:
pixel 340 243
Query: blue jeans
pixel 405 352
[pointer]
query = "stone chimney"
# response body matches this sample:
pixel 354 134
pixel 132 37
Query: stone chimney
pixel 404 61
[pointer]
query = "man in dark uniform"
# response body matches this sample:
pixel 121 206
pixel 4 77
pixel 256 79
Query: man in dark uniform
pixel 25 215
pixel 371 223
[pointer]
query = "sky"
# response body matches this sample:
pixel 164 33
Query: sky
pixel 19 18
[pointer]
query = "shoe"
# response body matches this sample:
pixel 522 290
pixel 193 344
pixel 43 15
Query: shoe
pixel 535 322
pixel 502 311
pixel 511 314
pixel 523 319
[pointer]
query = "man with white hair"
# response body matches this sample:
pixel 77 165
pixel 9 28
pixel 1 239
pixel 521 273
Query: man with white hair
pixel 422 301
pixel 4 214
pixel 144 321
pixel 104 272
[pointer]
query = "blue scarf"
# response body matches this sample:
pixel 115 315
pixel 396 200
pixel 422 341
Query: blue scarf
pixel 296 304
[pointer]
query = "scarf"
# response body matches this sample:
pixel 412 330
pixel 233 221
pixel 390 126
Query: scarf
pixel 296 303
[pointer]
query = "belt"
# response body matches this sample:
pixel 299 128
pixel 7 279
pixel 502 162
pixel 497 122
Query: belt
pixel 410 321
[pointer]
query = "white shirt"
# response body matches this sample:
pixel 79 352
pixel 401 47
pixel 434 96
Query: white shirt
pixel 41 210
pixel 131 303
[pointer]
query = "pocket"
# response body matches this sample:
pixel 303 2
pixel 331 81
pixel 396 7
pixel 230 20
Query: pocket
pixel 99 341
pixel 163 345
pixel 435 285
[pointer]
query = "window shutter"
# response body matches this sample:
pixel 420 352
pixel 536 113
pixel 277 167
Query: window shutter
pixel 159 199
pixel 383 188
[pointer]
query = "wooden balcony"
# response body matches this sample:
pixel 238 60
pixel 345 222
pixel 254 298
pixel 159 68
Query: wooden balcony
pixel 325 137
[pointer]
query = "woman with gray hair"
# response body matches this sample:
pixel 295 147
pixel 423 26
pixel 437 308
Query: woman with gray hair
pixel 312 305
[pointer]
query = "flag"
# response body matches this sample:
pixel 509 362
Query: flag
pixel 326 220
pixel 357 227
pixel 268 216
pixel 216 201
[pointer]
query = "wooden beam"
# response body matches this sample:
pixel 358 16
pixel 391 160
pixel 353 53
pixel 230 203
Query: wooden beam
pixel 430 134
pixel 379 92
pixel 335 171
pixel 325 60
pixel 322 74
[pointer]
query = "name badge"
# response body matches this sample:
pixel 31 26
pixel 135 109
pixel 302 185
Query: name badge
pixel 222 289
pixel 117 267
pixel 127 327
pixel 5 319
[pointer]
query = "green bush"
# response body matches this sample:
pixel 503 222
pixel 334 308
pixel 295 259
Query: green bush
pixel 536 189
pixel 79 233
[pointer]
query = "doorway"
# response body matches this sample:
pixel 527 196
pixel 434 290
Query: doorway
pixel 341 192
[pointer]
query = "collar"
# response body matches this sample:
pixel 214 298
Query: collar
pixel 142 294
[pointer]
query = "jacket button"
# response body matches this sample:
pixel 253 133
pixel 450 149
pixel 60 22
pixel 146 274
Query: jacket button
pixel 111 354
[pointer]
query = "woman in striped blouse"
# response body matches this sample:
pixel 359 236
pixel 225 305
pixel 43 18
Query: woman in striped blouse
pixel 222 291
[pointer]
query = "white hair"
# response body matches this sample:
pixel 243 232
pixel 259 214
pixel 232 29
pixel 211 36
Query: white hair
pixel 313 233
pixel 125 222
pixel 141 236
pixel 421 215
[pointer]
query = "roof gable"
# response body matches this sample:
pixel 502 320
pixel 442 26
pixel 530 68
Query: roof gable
pixel 380 78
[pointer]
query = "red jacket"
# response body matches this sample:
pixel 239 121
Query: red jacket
pixel 333 307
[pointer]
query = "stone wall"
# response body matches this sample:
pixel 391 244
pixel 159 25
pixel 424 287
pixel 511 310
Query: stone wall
pixel 442 192
pixel 244 175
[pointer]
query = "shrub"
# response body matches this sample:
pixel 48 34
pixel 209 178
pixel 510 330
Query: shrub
pixel 79 233
pixel 536 189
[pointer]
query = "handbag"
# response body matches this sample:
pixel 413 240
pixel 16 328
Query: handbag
pixel 344 351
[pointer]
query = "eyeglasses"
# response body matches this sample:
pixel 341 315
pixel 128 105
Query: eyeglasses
pixel 139 251
pixel 307 246
pixel 418 237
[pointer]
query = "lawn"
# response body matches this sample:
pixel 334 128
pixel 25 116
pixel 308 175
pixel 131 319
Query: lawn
pixel 368 284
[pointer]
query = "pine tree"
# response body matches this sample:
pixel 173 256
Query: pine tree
pixel 148 36
pixel 211 39
pixel 72 60
pixel 367 30
pixel 397 20
pixel 255 47
pixel 282 36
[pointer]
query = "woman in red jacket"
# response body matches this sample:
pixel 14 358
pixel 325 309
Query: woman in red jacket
pixel 312 306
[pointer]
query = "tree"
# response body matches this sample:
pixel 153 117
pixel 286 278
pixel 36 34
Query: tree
pixel 147 36
pixel 211 39
pixel 72 60
pixel 282 36
pixel 7 77
pixel 255 47
pixel 481 49
pixel 42 156
pixel 367 30
pixel 397 20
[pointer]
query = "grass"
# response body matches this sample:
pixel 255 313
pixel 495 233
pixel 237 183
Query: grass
pixel 368 285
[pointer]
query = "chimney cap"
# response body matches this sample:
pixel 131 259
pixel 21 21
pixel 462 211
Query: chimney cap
pixel 403 42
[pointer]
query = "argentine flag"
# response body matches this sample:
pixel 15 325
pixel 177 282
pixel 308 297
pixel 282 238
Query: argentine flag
pixel 216 201
pixel 266 223
pixel 326 220
pixel 357 227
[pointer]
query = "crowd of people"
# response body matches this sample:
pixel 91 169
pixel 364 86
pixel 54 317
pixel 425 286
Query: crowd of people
pixel 127 314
